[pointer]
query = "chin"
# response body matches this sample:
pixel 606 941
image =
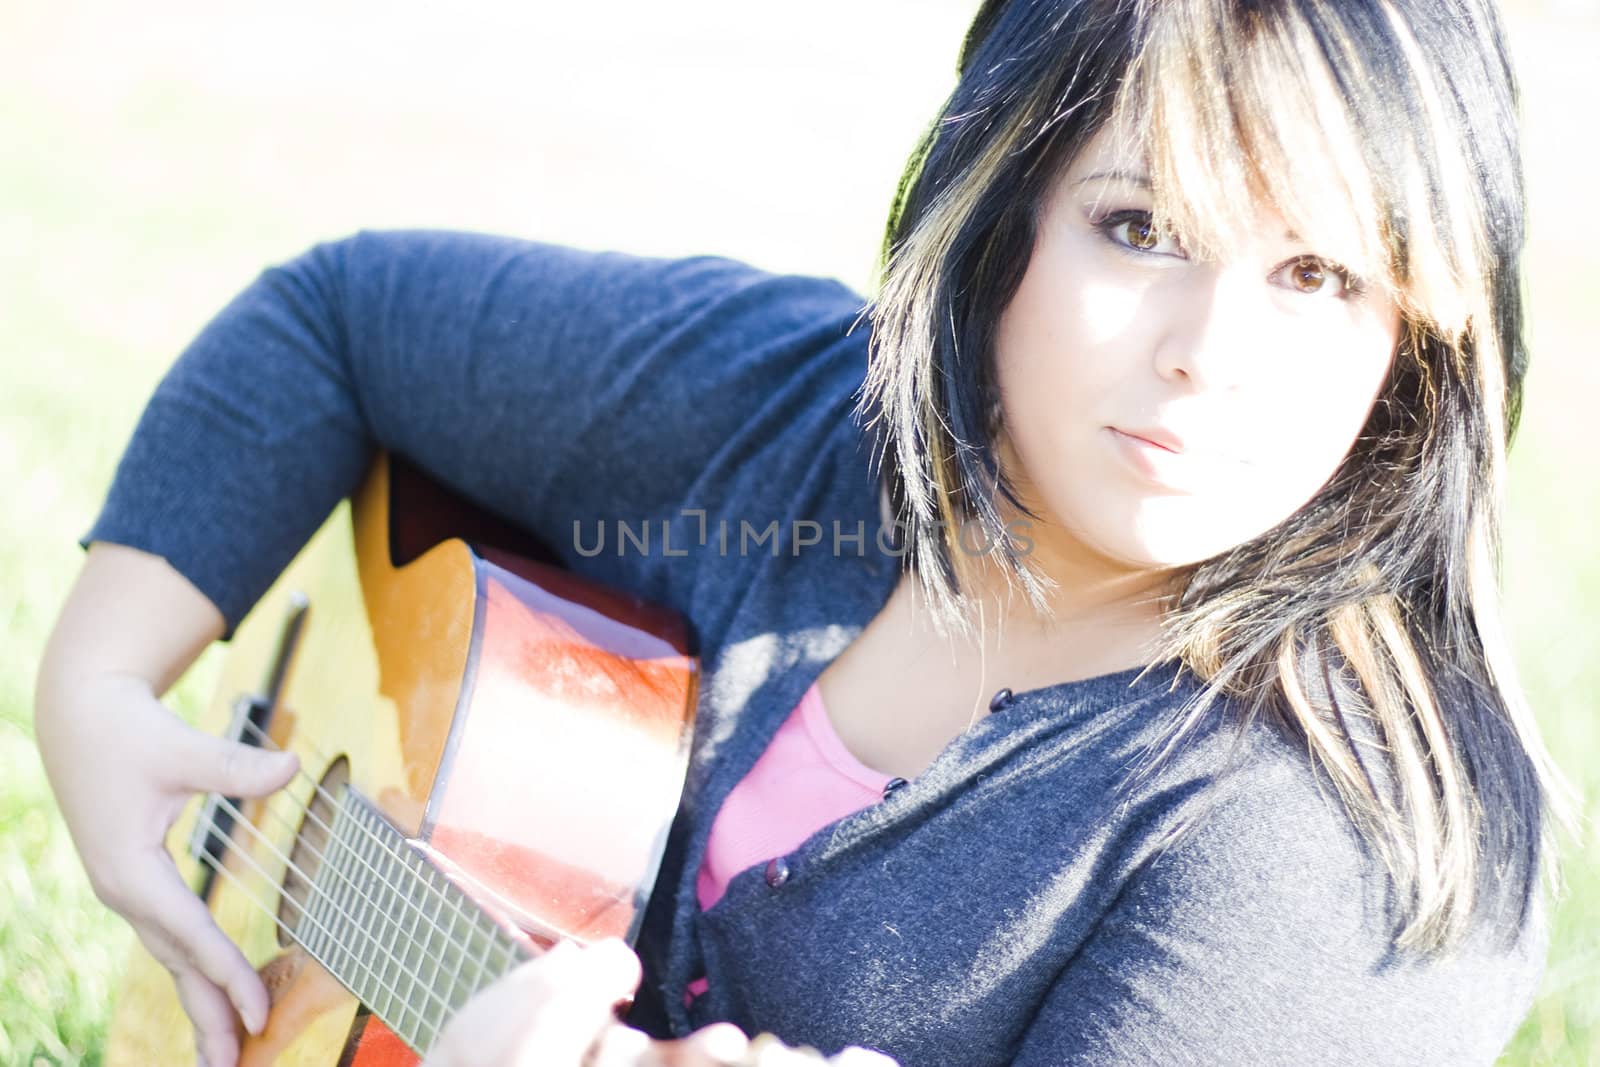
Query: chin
pixel 1168 544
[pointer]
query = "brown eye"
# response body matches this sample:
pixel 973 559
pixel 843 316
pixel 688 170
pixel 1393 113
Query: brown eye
pixel 1141 234
pixel 1308 275
pixel 1135 232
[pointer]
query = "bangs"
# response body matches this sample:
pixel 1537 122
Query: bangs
pixel 1329 114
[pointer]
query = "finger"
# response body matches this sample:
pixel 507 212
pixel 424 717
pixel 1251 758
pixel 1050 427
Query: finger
pixel 766 1050
pixel 548 1010
pixel 579 990
pixel 495 1024
pixel 623 1046
pixel 216 1037
pixel 216 765
pixel 614 965
pixel 717 1045
pixel 163 904
pixel 856 1056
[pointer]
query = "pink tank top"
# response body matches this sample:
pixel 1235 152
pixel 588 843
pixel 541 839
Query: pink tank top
pixel 805 780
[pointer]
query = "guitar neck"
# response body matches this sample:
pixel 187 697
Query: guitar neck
pixel 381 916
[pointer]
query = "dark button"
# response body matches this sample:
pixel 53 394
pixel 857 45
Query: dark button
pixel 1001 699
pixel 892 784
pixel 777 872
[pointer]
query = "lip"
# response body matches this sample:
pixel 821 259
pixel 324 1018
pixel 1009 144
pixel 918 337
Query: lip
pixel 1156 436
pixel 1155 462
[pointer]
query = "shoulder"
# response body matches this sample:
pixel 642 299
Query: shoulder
pixel 1274 890
pixel 603 282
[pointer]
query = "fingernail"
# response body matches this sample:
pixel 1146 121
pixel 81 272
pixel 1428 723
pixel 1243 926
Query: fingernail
pixel 611 946
pixel 623 1044
pixel 723 1041
pixel 615 954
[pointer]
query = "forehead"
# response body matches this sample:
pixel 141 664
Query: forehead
pixel 1109 148
pixel 1113 158
pixel 1318 121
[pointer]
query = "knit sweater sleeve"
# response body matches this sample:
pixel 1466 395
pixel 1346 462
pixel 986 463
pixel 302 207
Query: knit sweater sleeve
pixel 1262 938
pixel 549 384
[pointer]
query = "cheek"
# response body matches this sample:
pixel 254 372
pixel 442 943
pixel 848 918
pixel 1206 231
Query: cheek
pixel 1060 347
pixel 1295 426
pixel 1305 412
pixel 1288 429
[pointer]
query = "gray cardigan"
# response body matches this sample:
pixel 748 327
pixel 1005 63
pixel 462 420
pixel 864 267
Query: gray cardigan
pixel 1010 905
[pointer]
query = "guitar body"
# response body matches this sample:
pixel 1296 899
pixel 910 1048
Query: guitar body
pixel 491 753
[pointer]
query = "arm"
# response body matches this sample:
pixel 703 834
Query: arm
pixel 122 767
pixel 546 383
pixel 128 614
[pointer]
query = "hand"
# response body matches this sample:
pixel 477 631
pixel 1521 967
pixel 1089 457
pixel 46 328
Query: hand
pixel 550 1011
pixel 557 1011
pixel 122 767
pixel 767 1051
pixel 719 1045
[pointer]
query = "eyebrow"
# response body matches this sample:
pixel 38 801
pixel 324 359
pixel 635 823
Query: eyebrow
pixel 1144 180
pixel 1123 175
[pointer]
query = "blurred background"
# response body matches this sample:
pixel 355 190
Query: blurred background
pixel 157 159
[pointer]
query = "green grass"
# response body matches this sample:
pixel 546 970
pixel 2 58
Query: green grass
pixel 155 166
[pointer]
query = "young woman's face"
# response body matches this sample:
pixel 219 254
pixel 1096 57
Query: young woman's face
pixel 1256 373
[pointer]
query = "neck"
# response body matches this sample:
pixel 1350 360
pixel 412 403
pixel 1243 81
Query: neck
pixel 1098 623
pixel 1101 614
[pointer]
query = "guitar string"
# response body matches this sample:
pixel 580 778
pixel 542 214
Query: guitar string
pixel 326 931
pixel 414 1031
pixel 382 846
pixel 269 744
pixel 507 955
pixel 402 969
pixel 412 1035
pixel 293 933
pixel 483 961
pixel 318 790
pixel 436 895
pixel 426 920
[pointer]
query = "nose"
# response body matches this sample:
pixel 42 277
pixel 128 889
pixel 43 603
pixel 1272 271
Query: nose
pixel 1216 329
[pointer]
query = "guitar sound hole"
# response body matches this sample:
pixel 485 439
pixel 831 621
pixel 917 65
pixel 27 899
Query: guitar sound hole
pixel 310 842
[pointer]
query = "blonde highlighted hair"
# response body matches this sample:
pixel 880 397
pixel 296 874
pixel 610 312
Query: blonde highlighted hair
pixel 1367 624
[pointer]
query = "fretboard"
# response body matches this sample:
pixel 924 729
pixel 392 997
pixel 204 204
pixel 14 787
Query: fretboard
pixel 396 931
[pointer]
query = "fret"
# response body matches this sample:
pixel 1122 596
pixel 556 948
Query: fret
pixel 377 915
pixel 473 955
pixel 336 901
pixel 472 934
pixel 385 938
pixel 511 952
pixel 410 953
pixel 319 912
pixel 458 994
pixel 308 926
pixel 354 911
pixel 437 1015
pixel 396 931
pixel 343 887
pixel 394 939
pixel 370 915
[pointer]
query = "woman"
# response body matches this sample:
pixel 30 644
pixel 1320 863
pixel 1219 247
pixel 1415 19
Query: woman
pixel 1161 494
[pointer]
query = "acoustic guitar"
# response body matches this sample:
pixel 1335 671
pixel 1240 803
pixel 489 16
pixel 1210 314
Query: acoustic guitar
pixel 492 750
